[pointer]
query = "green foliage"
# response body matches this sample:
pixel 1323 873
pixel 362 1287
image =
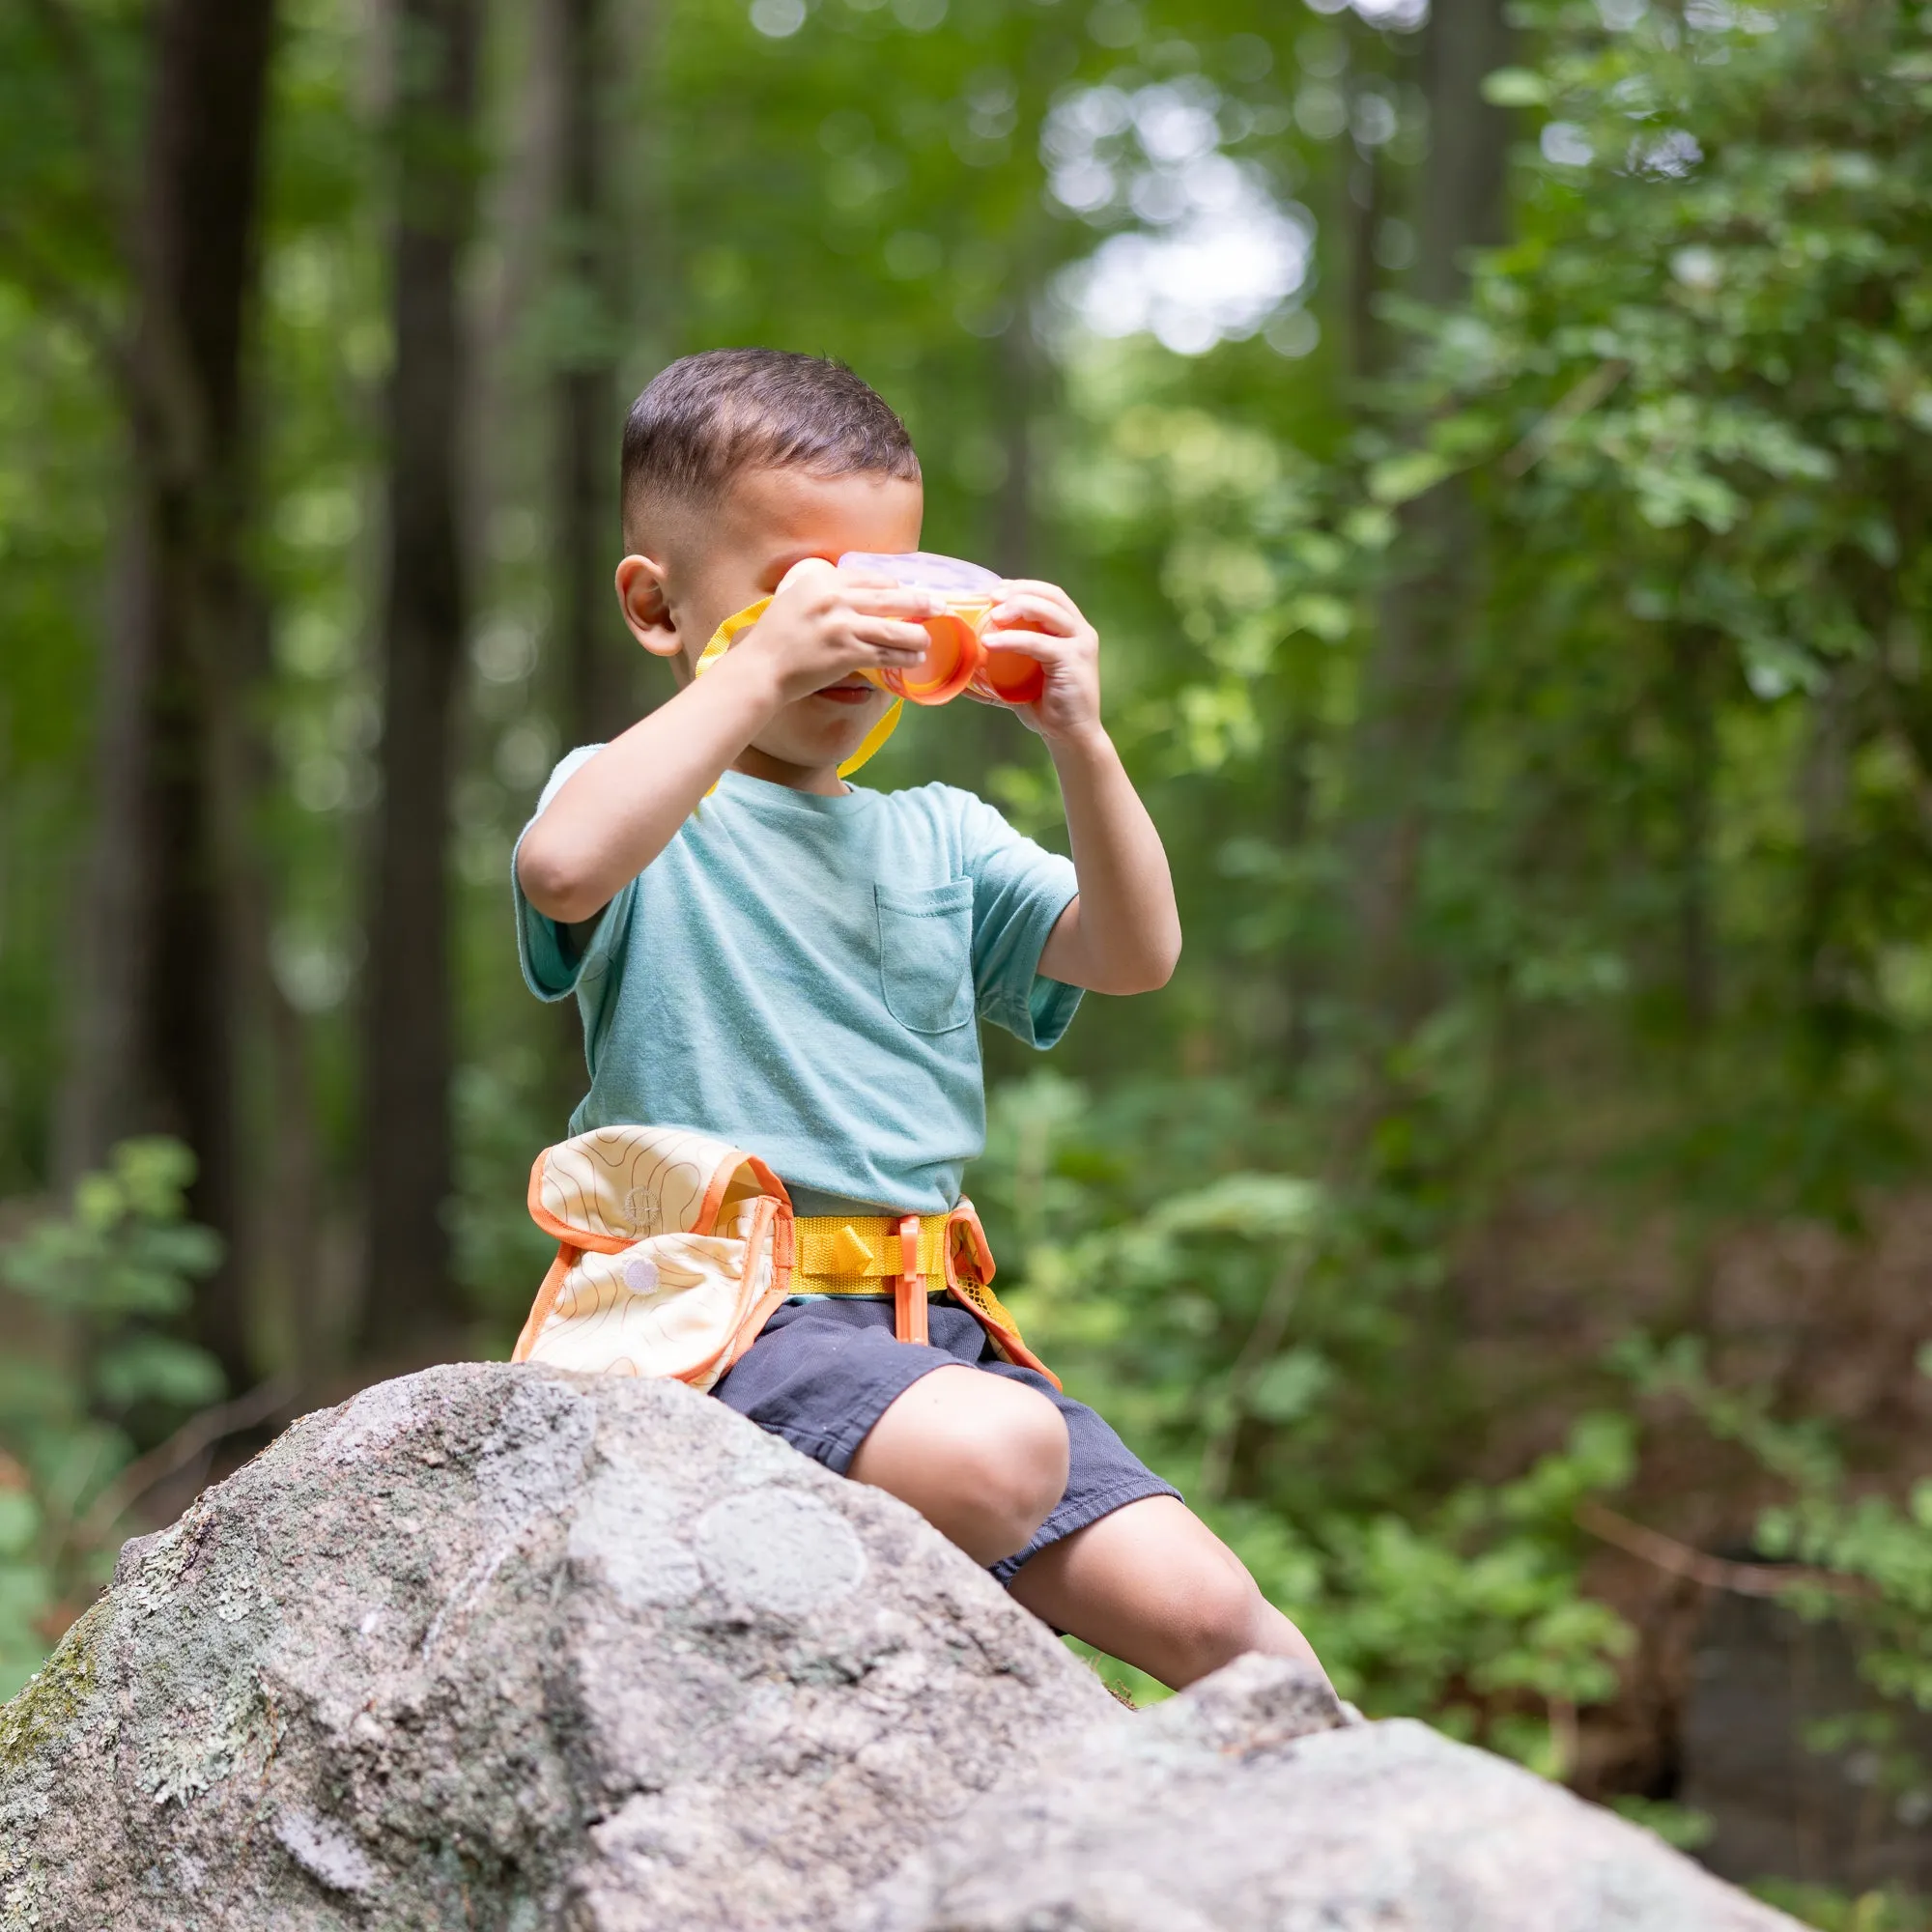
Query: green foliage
pixel 1858 1559
pixel 501 1251
pixel 1255 1335
pixel 1675 1824
pixel 107 1278
pixel 1874 1555
pixel 1842 1912
pixel 126 1248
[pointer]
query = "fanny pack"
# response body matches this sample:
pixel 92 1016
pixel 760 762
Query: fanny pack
pixel 675 1248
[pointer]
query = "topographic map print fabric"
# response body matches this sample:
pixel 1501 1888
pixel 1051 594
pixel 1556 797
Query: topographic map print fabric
pixel 697 1253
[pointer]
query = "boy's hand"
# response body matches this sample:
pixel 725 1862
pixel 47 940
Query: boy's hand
pixel 824 623
pixel 1120 933
pixel 1041 620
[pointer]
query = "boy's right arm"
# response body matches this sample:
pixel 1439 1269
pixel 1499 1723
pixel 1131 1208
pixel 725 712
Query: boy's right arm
pixel 622 807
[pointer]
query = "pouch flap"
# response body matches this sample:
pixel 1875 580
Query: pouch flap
pixel 669 1305
pixel 604 1189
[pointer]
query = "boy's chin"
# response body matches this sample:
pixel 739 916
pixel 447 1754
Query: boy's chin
pixel 812 750
pixel 815 743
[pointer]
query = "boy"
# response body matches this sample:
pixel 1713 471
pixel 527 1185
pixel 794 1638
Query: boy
pixel 768 954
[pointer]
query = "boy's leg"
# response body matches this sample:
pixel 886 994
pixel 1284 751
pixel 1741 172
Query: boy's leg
pixel 984 1452
pixel 1154 1586
pixel 981 1458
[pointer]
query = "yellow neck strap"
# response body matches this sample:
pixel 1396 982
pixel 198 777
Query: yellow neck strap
pixel 738 623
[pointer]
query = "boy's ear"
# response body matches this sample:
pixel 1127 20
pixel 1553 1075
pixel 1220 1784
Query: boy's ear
pixel 641 595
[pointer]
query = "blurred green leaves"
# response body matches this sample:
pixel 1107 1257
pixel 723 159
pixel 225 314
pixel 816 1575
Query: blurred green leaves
pixel 126 1247
pixel 1260 1336
pixel 107 1278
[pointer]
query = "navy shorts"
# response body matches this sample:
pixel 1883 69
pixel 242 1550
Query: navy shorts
pixel 822 1372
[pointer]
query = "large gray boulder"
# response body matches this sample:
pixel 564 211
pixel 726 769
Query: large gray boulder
pixel 497 1647
pixel 1246 1806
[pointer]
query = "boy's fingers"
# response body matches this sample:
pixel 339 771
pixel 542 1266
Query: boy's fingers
pixel 1031 609
pixel 893 600
pixel 903 640
pixel 1033 587
pixel 998 703
pixel 806 568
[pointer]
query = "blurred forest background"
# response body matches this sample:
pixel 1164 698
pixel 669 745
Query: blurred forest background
pixel 1496 445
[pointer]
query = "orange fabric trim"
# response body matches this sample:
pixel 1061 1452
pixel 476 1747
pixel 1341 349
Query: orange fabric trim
pixel 767 1181
pixel 729 1351
pixel 706 1222
pixel 720 1182
pixel 785 1247
pixel 967 1232
pixel 784 1257
pixel 546 1295
pixel 580 1238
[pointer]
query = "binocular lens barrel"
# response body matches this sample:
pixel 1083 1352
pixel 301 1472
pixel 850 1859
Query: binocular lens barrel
pixel 958 661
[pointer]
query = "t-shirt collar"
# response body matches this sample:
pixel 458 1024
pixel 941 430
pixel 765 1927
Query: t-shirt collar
pixel 762 795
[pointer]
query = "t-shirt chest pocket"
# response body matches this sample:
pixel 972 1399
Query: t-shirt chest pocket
pixel 925 956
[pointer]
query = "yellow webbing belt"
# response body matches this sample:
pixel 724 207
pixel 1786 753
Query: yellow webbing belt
pixel 831 1255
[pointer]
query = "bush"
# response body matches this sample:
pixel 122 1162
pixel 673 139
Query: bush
pixel 113 1275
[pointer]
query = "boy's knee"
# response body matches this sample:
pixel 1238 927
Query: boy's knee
pixel 1217 1615
pixel 981 1458
pixel 1010 1480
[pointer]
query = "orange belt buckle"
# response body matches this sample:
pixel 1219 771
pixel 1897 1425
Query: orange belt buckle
pixel 908 1286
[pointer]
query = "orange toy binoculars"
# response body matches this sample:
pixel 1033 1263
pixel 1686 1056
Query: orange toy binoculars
pixel 957 660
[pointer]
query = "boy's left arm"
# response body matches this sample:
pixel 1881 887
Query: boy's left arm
pixel 1123 933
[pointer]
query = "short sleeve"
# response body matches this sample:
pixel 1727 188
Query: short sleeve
pixel 552 966
pixel 1019 891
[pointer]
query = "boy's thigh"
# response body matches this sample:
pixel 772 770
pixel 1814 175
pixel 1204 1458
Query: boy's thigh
pixel 961 1424
pixel 824 1375
pixel 821 1376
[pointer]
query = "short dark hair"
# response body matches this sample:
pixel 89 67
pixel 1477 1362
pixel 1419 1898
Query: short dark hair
pixel 707 417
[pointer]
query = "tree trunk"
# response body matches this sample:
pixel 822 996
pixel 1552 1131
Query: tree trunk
pixel 1694 655
pixel 598 657
pixel 106 1088
pixel 1461 199
pixel 156 1036
pixel 1363 201
pixel 409 1297
pixel 1412 680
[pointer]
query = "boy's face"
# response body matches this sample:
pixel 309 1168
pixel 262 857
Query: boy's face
pixel 716 560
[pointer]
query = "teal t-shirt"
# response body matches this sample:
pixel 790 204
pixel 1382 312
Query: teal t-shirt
pixel 802 976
